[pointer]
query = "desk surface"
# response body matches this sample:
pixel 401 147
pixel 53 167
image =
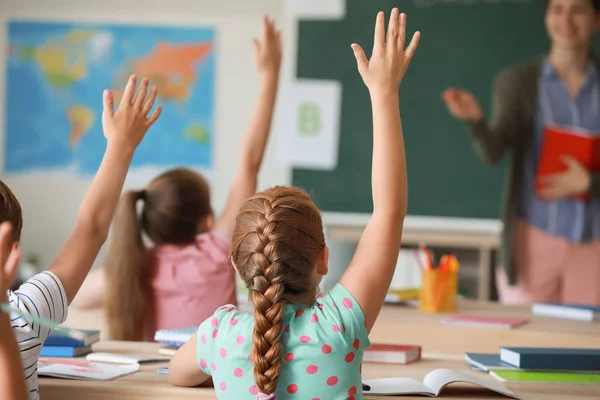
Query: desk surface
pixel 147 384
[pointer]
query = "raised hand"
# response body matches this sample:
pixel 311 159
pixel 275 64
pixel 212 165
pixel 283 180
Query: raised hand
pixel 127 126
pixel 267 50
pixel 462 105
pixel 389 61
pixel 9 259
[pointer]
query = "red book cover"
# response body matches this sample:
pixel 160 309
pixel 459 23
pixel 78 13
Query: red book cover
pixel 558 142
pixel 391 353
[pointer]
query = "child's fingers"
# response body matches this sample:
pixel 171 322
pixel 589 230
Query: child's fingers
pixel 129 92
pixel 154 116
pixel 361 58
pixel 140 96
pixel 378 42
pixel 412 47
pixel 149 103
pixel 392 33
pixel 278 39
pixel 108 102
pixel 11 266
pixel 402 32
pixel 265 29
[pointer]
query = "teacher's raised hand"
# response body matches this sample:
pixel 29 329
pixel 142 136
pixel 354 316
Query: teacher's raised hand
pixel 462 105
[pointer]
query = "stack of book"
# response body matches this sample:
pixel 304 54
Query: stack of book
pixel 60 344
pixel 566 311
pixel 540 365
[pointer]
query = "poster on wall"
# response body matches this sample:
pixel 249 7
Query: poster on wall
pixel 55 76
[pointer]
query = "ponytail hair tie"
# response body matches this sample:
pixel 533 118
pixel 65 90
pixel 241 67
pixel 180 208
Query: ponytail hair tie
pixel 262 396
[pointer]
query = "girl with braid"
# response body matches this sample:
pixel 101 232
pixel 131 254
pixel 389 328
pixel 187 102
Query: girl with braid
pixel 299 343
pixel 180 281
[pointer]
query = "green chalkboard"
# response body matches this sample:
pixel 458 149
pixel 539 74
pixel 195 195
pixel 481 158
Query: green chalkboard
pixel 463 45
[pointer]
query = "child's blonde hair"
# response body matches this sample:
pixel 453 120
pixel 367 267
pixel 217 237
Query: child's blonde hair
pixel 277 241
pixel 174 206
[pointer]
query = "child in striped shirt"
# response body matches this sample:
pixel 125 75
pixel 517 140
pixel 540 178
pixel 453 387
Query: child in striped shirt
pixel 48 294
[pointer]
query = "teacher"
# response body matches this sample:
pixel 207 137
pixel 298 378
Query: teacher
pixel 551 239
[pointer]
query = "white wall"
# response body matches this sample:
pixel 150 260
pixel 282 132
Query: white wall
pixel 50 203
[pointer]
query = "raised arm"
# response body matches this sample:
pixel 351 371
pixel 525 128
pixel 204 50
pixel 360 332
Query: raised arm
pixel 12 381
pixel 369 275
pixel 267 54
pixel 124 129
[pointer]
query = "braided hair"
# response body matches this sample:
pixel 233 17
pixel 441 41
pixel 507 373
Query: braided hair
pixel 277 241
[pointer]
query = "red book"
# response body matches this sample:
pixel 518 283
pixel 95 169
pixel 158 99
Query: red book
pixel 391 354
pixel 558 142
pixel 484 322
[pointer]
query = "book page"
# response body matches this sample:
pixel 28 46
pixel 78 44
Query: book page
pixel 437 379
pixel 396 386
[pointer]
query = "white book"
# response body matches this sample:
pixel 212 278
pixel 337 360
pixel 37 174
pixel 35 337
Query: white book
pixel 80 370
pixel 432 385
pixel 566 311
pixel 125 358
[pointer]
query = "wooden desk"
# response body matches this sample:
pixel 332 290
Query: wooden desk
pixel 462 233
pixel 147 384
pixel 405 325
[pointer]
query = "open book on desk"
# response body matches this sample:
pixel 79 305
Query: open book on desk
pixel 432 385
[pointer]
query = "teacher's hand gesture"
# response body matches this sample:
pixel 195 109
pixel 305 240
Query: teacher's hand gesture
pixel 462 105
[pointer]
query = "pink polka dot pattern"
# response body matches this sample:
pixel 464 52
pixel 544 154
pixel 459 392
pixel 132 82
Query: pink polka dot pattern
pixel 304 339
pixel 238 372
pixel 213 366
pixel 203 363
pixel 253 390
pixel 314 318
pixel 215 333
pixel 332 381
pixel 292 389
pixel 336 328
pixel 321 306
pixel 326 349
pixel 347 303
pixel 240 340
pixel 214 322
pixel 299 312
pixel 223 352
pixel 343 328
pixel 203 338
pixel 289 357
pixel 352 391
pixel 251 358
pixel 312 369
pixel 233 321
pixel 287 328
pixel 223 386
pixel 320 296
pixel 356 344
pixel 349 357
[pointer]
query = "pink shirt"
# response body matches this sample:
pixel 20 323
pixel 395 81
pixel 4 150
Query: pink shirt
pixel 190 282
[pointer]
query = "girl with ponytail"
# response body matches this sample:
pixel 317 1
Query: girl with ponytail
pixel 185 275
pixel 299 343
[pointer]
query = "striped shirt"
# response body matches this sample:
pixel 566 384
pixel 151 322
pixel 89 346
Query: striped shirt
pixel 571 219
pixel 43 296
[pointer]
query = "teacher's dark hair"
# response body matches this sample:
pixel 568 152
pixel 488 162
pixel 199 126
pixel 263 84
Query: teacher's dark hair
pixel 595 3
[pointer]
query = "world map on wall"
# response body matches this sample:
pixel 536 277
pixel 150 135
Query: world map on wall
pixel 56 73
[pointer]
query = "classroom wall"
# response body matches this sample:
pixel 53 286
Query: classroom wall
pixel 50 204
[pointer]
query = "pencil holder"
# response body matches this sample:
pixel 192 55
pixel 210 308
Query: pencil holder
pixel 438 291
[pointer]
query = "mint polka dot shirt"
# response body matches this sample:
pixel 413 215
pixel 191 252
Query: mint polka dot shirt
pixel 323 349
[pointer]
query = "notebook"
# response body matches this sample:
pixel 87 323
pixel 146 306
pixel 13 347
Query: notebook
pixel 484 322
pixel 432 385
pixel 566 311
pixel 558 142
pixel 174 337
pixel 64 351
pixel 551 358
pixel 61 338
pixel 487 362
pixel 391 354
pixel 545 377
pixel 125 358
pixel 82 370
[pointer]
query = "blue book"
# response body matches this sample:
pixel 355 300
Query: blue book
pixel 65 351
pixel 174 337
pixel 566 311
pixel 58 338
pixel 488 362
pixel 549 359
